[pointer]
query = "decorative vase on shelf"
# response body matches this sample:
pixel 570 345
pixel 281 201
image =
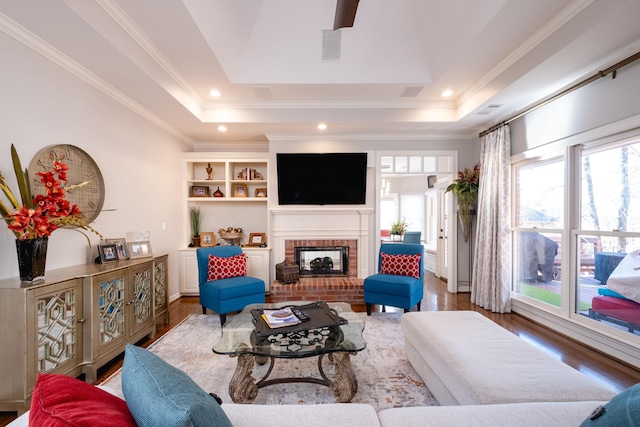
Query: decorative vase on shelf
pixel 32 257
pixel 209 171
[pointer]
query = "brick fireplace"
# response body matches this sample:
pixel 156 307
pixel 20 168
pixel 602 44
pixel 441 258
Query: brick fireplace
pixel 324 226
pixel 346 289
pixel 351 244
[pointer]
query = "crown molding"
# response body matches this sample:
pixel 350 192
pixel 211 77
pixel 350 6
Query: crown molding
pixel 27 38
pixel 375 137
pixel 140 38
pixel 566 14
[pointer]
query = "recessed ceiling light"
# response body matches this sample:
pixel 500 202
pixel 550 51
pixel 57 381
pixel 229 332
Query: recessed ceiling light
pixel 322 126
pixel 222 128
pixel 215 93
pixel 447 93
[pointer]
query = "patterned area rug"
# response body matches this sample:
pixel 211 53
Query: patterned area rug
pixel 386 379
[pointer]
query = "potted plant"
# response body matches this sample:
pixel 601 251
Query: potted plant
pixel 398 228
pixel 194 213
pixel 32 219
pixel 466 188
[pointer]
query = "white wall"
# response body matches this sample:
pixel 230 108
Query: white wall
pixel 41 104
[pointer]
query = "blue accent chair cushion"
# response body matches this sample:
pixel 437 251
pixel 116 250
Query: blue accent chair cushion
pixel 158 394
pixel 396 291
pixel 226 295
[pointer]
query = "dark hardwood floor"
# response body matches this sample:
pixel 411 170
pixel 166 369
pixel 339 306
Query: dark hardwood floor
pixel 587 360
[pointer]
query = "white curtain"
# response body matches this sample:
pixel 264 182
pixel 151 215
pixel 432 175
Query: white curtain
pixel 491 279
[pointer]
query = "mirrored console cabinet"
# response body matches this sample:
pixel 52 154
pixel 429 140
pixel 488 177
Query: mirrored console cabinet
pixel 75 321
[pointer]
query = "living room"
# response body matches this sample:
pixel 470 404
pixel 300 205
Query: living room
pixel 60 87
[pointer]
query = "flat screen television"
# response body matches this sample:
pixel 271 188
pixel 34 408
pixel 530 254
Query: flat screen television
pixel 322 179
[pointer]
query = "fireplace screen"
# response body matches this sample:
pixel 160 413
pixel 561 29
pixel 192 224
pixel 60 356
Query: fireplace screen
pixel 323 260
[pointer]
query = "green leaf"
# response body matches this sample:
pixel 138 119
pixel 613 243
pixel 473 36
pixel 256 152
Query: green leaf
pixel 23 184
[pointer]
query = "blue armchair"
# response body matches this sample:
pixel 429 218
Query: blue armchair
pixel 395 290
pixel 226 295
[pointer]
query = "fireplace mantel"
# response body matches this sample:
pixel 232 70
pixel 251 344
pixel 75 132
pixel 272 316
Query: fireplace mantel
pixel 322 223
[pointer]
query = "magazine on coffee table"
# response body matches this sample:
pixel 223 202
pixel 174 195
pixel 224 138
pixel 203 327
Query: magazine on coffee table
pixel 280 318
pixel 315 315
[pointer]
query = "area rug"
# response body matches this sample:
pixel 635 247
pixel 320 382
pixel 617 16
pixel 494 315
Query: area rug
pixel 386 379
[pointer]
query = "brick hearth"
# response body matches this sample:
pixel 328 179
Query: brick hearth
pixel 345 289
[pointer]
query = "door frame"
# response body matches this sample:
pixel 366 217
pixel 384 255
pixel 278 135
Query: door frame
pixel 447 167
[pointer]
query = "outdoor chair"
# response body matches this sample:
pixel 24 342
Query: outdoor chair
pixel 412 236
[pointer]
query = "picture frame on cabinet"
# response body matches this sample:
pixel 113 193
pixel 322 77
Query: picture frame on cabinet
pixel 121 247
pixel 108 253
pixel 257 239
pixel 239 190
pixel 139 249
pixel 260 192
pixel 199 191
pixel 207 239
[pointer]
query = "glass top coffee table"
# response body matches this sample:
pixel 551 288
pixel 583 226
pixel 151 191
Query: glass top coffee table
pixel 242 338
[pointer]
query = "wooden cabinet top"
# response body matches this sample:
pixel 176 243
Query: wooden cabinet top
pixel 75 272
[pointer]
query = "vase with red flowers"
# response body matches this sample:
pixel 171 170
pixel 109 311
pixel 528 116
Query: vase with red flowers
pixel 33 219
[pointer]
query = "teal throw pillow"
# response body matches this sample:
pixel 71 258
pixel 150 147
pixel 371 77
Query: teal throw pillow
pixel 160 395
pixel 621 411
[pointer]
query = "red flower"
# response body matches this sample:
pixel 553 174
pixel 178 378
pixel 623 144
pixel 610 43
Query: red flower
pixel 51 210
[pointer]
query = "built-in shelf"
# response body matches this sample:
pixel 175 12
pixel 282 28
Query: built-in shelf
pixel 243 180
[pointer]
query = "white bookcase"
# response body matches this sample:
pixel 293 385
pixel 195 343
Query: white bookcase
pixel 241 178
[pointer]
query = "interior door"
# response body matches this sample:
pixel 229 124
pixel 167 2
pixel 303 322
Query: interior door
pixel 442 254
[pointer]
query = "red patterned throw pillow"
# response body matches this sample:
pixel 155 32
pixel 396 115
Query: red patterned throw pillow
pixel 223 268
pixel 401 265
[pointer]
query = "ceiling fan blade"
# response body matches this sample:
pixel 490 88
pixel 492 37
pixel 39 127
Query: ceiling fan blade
pixel 345 13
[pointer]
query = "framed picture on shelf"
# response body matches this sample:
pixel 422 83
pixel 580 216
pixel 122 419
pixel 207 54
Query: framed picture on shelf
pixel 139 249
pixel 239 190
pixel 260 192
pixel 121 247
pixel 199 191
pixel 206 239
pixel 257 239
pixel 108 253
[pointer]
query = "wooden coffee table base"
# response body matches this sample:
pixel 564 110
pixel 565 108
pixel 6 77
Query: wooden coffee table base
pixel 244 389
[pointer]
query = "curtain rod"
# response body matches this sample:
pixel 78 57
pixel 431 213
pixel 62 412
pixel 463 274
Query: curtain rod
pixel 578 85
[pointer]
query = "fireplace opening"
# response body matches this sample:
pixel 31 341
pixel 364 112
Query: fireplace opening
pixel 322 261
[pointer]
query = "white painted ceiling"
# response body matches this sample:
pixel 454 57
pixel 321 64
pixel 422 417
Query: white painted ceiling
pixel 161 58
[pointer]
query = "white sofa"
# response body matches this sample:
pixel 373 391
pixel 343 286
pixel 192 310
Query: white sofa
pixel 485 376
pixel 549 414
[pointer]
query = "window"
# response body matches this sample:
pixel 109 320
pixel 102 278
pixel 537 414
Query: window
pixel 537 236
pixel 608 232
pixel 608 188
pixel 577 240
pixel 412 207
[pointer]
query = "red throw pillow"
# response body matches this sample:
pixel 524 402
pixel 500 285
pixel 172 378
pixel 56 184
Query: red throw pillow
pixel 223 268
pixel 63 401
pixel 401 265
